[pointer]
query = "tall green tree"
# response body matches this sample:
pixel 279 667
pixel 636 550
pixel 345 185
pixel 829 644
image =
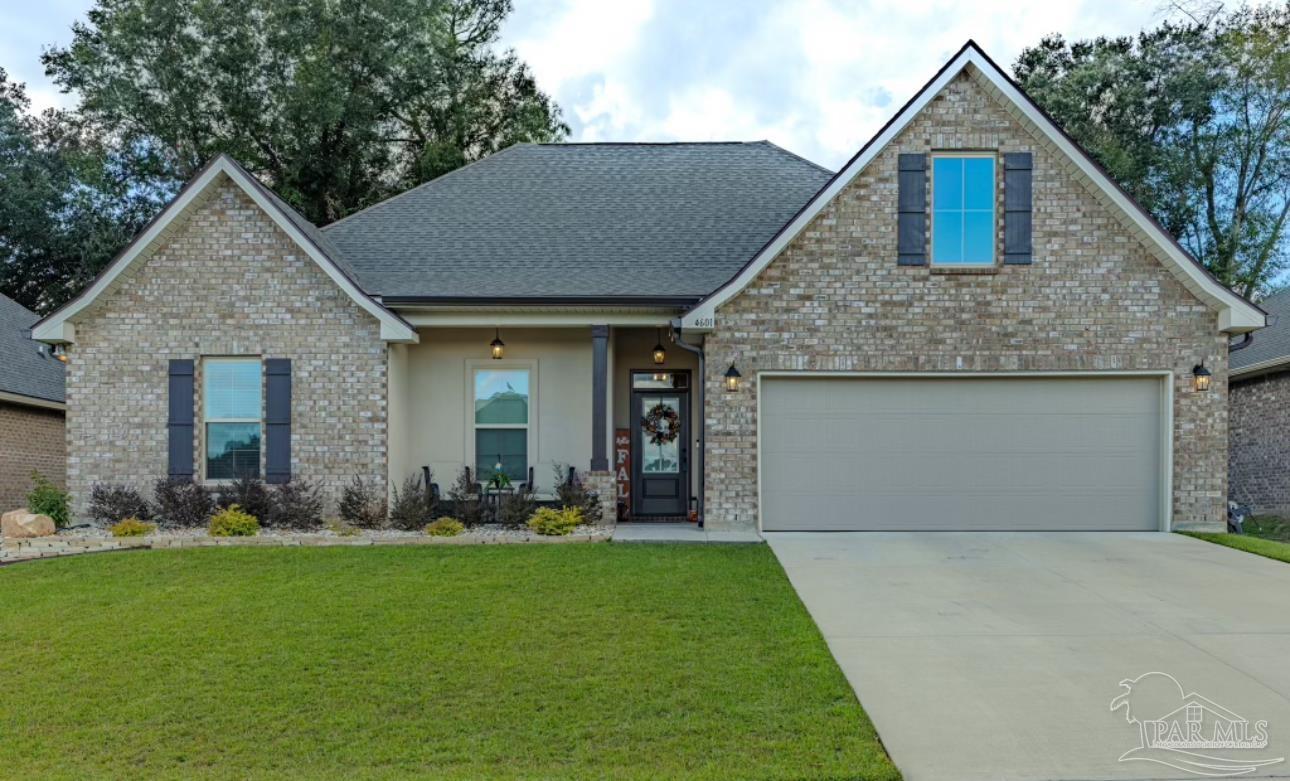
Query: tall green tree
pixel 66 204
pixel 336 104
pixel 1193 119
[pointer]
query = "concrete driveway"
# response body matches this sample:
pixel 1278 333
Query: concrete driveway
pixel 996 655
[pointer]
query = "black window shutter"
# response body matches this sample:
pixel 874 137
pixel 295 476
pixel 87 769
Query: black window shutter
pixel 277 420
pixel 1016 209
pixel 911 216
pixel 180 420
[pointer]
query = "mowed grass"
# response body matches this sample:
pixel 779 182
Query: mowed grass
pixel 1271 549
pixel 542 661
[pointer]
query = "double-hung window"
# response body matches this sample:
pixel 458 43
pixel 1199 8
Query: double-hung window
pixel 231 397
pixel 501 415
pixel 963 210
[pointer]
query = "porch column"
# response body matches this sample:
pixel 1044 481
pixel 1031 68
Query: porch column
pixel 599 402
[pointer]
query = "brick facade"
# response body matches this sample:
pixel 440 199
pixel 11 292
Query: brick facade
pixel 226 282
pixel 1095 299
pixel 1259 450
pixel 31 438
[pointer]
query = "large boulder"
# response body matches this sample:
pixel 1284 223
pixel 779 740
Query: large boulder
pixel 22 523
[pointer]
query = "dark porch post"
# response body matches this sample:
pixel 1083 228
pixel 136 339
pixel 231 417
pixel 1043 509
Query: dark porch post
pixel 599 405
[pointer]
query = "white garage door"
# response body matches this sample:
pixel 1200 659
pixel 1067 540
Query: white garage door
pixel 961 454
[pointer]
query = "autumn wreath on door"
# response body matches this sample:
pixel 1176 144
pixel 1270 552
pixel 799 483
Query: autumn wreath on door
pixel 661 424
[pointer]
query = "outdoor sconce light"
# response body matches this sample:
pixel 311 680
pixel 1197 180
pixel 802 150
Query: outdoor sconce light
pixel 1200 377
pixel 59 351
pixel 732 379
pixel 498 346
pixel 660 355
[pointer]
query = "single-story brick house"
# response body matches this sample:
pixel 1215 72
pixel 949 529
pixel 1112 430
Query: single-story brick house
pixel 32 438
pixel 1259 414
pixel 967 327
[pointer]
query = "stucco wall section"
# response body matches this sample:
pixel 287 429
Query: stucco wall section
pixel 226 282
pixel 1259 457
pixel 1095 299
pixel 31 439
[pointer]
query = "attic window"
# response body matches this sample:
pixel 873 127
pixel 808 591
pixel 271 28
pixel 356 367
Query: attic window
pixel 963 210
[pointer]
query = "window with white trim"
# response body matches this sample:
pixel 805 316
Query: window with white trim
pixel 233 413
pixel 501 416
pixel 963 210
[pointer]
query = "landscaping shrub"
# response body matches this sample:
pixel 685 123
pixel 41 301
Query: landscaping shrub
pixel 514 509
pixel 249 493
pixel 232 522
pixel 571 491
pixel 465 499
pixel 340 528
pixel 361 505
pixel 111 503
pixel 182 502
pixel 555 523
pixel 295 504
pixel 412 507
pixel 131 527
pixel 445 527
pixel 48 499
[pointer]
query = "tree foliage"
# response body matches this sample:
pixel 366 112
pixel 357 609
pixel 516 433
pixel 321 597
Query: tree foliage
pixel 336 105
pixel 1193 119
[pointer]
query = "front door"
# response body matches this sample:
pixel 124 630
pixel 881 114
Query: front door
pixel 660 435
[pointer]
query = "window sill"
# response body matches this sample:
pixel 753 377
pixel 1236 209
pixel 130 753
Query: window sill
pixel 965 270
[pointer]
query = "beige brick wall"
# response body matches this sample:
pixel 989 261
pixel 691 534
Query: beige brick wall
pixel 31 438
pixel 1094 300
pixel 226 282
pixel 1259 446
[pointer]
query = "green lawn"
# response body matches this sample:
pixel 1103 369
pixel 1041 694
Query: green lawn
pixel 1269 527
pixel 538 661
pixel 1272 549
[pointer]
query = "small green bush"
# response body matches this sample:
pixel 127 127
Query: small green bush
pixel 48 499
pixel 132 527
pixel 555 523
pixel 232 522
pixel 340 528
pixel 445 527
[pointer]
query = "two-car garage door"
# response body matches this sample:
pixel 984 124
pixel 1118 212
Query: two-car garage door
pixel 983 453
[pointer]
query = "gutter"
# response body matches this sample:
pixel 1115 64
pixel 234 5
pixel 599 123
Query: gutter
pixel 645 301
pixel 703 413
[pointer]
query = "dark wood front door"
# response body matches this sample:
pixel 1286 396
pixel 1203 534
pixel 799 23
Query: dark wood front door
pixel 660 446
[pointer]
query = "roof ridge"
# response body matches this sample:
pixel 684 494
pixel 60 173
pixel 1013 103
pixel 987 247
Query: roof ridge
pixel 646 143
pixel 794 155
pixel 437 179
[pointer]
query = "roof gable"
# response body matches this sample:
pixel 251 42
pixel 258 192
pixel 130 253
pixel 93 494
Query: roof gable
pixel 27 370
pixel 59 326
pixel 1235 314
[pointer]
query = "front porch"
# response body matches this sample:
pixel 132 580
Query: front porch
pixel 531 399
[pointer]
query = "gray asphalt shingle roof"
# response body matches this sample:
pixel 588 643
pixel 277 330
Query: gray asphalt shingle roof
pixel 26 367
pixel 1269 343
pixel 593 220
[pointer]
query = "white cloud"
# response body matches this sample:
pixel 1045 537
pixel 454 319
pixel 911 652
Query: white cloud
pixel 816 76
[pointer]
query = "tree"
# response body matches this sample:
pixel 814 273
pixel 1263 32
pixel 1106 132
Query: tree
pixel 66 205
pixel 1193 119
pixel 336 105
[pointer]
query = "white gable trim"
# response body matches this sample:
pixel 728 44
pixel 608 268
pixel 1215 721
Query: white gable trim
pixel 59 326
pixel 1235 314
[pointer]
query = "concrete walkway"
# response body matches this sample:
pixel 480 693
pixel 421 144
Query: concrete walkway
pixel 679 532
pixel 996 656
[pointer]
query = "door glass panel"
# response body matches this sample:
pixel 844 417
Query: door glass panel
pixel 660 422
pixel 656 381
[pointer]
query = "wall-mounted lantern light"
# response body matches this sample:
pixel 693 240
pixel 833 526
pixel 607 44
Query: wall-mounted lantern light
pixel 1200 377
pixel 660 355
pixel 732 379
pixel 59 351
pixel 498 346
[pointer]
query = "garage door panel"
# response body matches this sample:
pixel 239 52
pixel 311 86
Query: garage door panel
pixel 981 453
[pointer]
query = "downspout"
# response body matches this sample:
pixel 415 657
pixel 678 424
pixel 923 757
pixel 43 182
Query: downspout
pixel 703 411
pixel 1241 345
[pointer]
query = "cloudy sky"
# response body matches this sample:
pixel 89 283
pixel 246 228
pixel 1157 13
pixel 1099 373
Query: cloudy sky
pixel 815 76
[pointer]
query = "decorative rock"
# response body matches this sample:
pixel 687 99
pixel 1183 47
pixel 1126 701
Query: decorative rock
pixel 21 524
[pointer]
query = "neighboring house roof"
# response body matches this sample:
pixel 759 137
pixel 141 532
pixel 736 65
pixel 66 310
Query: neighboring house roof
pixel 661 221
pixel 27 370
pixel 58 327
pixel 1236 314
pixel 1271 346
